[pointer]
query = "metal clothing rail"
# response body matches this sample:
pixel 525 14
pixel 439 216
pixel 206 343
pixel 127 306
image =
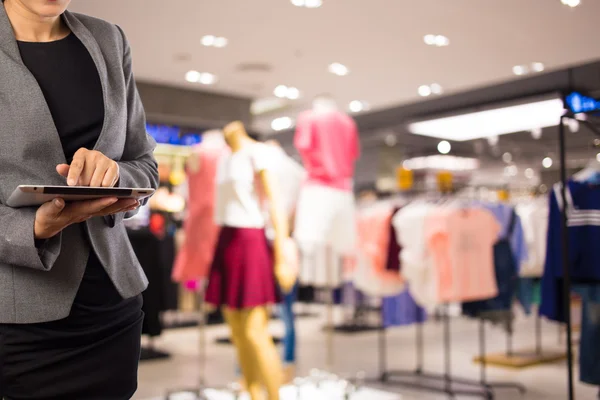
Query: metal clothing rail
pixel 441 383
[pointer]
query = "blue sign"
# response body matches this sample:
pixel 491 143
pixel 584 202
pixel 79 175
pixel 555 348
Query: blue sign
pixel 164 134
pixel 578 103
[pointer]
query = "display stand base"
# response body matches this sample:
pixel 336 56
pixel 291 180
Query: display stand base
pixel 350 329
pixel 150 354
pixel 226 341
pixel 522 359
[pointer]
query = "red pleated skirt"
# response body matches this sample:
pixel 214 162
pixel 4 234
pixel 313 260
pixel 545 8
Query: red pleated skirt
pixel 241 274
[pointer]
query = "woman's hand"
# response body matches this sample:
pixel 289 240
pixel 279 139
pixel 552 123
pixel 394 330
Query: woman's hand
pixel 52 217
pixel 90 168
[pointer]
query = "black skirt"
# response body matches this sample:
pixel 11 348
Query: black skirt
pixel 93 354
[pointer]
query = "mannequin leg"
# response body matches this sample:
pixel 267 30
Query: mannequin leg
pixel 267 361
pixel 252 381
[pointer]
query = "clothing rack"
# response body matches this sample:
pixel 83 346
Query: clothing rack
pixel 565 238
pixel 441 383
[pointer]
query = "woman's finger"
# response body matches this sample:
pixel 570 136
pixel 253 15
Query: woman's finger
pixel 76 167
pixel 112 175
pixel 101 168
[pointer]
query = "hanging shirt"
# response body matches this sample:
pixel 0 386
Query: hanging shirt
pixel 238 202
pixel 461 241
pixel 534 218
pixel 329 145
pixel 201 233
pixel 417 266
pixel 583 212
pixel 503 214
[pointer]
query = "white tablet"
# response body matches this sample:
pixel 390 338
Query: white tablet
pixel 35 195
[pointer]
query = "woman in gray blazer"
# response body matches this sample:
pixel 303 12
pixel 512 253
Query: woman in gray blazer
pixel 70 284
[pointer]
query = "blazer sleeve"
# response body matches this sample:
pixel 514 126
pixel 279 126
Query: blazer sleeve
pixel 17 242
pixel 137 166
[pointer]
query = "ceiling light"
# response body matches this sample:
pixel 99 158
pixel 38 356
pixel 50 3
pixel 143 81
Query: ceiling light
pixel 339 69
pixel 436 40
pixel 282 123
pixel 207 78
pixel 429 40
pixel 547 162
pixel 435 88
pixel 313 3
pixel 444 147
pixel 424 90
pixel 573 125
pixel 441 41
pixel 298 3
pixel 281 91
pixel 536 133
pixel 520 70
pixel 598 157
pixel 537 66
pixel 208 40
pixel 391 140
pixel 293 93
pixel 571 3
pixel 500 121
pixel 356 106
pixel 511 170
pixel 192 76
pixel 445 163
pixel 507 157
pixel 529 173
pixel 214 41
pixel 221 42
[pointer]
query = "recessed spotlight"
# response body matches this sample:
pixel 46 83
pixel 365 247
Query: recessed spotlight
pixel 598 157
pixel 493 140
pixel 547 162
pixel 214 41
pixel 356 106
pixel 529 173
pixel 429 40
pixel 520 70
pixel 507 157
pixel 536 133
pixel 573 125
pixel 435 88
pixel 537 66
pixel 313 3
pixel 192 76
pixel 512 170
pixel 281 91
pixel 444 147
pixel 571 3
pixel 339 69
pixel 391 140
pixel 282 123
pixel 285 92
pixel 436 40
pixel 424 90
pixel 207 78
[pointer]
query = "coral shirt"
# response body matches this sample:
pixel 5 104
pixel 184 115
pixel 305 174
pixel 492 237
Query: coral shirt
pixel 329 145
pixel 461 242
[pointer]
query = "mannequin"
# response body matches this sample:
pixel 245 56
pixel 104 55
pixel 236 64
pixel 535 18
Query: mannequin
pixel 243 272
pixel 290 175
pixel 201 233
pixel 327 139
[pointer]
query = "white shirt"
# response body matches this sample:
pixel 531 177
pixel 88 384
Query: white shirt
pixel 534 218
pixel 237 199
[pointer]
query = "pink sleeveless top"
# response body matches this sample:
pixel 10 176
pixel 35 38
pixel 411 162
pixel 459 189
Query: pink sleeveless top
pixel 201 232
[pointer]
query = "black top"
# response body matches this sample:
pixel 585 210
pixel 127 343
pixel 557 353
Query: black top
pixel 71 85
pixel 69 80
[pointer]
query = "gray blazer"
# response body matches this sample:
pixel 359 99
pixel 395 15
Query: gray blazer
pixel 39 285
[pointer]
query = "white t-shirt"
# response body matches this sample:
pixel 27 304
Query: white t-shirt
pixel 237 200
pixel 534 217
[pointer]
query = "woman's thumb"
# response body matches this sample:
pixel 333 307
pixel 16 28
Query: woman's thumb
pixel 58 205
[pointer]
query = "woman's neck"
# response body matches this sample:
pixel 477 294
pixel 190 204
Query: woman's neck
pixel 30 27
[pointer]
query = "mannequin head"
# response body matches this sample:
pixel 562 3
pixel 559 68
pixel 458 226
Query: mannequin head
pixel 40 9
pixel 235 135
pixel 324 103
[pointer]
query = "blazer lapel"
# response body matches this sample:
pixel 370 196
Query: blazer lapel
pixel 8 44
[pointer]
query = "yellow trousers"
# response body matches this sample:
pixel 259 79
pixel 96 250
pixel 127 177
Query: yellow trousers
pixel 258 358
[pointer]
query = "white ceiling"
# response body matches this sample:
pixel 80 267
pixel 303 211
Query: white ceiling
pixel 381 41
